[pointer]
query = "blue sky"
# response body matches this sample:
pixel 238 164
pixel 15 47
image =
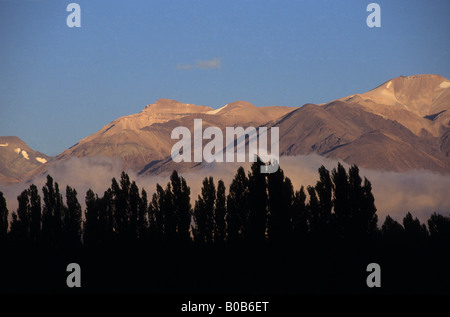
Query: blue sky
pixel 60 84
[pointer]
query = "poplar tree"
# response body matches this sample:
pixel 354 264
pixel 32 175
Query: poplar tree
pixel 3 219
pixel 35 214
pixel 237 206
pixel 219 214
pixel 72 219
pixel 257 198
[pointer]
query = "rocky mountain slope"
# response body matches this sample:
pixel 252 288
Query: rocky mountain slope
pixel 403 124
pixel 17 159
pixel 145 138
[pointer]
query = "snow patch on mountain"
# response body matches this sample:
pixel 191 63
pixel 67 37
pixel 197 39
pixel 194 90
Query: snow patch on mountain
pixel 25 155
pixel 41 160
pixel 444 84
pixel 216 111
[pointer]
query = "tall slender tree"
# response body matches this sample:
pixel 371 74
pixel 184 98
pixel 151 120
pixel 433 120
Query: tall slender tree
pixel 134 201
pixel 363 218
pixel 122 211
pixel 313 209
pixel 91 228
pixel 219 213
pixel 369 211
pixel 35 217
pixel 156 214
pixel 180 194
pixel 106 218
pixel 392 232
pixel 300 215
pixel 200 221
pixel 169 215
pixel 58 216
pixel 281 194
pixel 204 212
pixel 48 210
pixel 72 219
pixel 341 204
pixel 324 190
pixel 23 215
pixel 142 222
pixel 52 213
pixel 237 206
pixel 415 232
pixel 257 198
pixel 3 219
pixel 439 227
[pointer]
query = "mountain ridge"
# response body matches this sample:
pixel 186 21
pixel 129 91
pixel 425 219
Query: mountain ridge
pixel 405 121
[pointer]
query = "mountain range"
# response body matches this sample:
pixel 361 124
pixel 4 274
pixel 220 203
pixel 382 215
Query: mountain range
pixel 403 124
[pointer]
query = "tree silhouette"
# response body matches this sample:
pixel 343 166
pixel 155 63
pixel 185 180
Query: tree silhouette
pixel 313 209
pixel 3 219
pixel 134 201
pixel 415 233
pixel 91 228
pixel 184 212
pixel 142 221
pixel 48 210
pixel 15 233
pixel 52 213
pixel 58 215
pixel 122 211
pixel 392 231
pixel 170 217
pixel 300 216
pixel 180 194
pixel 204 212
pixel 341 204
pixel 439 227
pixel 281 196
pixel 369 217
pixel 257 201
pixel 72 219
pixel 258 208
pixel 35 217
pixel 21 220
pixel 288 203
pixel 200 221
pixel 237 206
pixel 321 203
pixel 363 218
pixel 324 191
pixel 106 220
pixel 354 207
pixel 219 214
pixel 156 215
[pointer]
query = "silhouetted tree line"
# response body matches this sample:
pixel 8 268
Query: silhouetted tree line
pixel 259 235
pixel 258 209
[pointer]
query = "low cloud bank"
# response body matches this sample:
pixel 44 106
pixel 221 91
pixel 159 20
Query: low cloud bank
pixel 418 192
